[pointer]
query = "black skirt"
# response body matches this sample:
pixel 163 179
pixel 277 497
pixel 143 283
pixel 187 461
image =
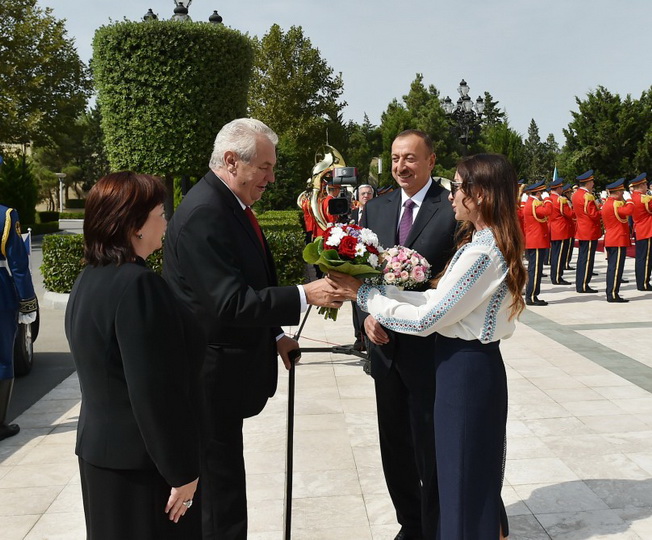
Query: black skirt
pixel 130 504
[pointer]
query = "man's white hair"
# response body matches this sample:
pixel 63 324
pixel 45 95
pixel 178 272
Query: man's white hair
pixel 239 136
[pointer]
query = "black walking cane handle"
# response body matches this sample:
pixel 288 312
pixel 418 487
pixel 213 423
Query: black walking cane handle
pixel 294 355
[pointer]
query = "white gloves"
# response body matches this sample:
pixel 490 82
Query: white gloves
pixel 627 195
pixel 545 195
pixel 603 195
pixel 27 318
pixel 524 197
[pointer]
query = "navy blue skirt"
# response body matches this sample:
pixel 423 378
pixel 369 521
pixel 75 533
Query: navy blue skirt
pixel 470 423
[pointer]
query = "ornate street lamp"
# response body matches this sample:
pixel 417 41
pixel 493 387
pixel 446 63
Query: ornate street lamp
pixel 150 15
pixel 181 10
pixel 215 18
pixel 465 113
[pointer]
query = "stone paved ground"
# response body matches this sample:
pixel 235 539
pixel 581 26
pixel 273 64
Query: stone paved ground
pixel 579 462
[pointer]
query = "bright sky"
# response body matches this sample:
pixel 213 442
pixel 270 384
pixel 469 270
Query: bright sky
pixel 534 57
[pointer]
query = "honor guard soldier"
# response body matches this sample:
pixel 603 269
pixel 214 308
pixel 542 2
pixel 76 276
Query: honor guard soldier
pixel 567 191
pixel 536 211
pixel 589 230
pixel 616 209
pixel 561 231
pixel 17 304
pixel 642 217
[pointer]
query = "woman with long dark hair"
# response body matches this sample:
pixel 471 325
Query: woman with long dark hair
pixel 137 352
pixel 474 306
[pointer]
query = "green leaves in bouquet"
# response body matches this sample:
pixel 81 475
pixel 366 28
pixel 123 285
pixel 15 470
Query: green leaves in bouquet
pixel 329 259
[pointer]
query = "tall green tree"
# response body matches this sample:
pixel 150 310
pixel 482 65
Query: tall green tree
pixel 18 187
pixel 492 115
pixel 536 155
pixel 296 93
pixel 501 139
pixel 420 109
pixel 364 144
pixel 611 135
pixel 43 84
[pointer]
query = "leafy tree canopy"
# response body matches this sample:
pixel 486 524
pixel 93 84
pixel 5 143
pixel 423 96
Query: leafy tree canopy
pixel 43 83
pixel 611 135
pixel 296 93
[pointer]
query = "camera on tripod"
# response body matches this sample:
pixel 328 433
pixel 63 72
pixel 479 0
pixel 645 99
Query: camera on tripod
pixel 340 205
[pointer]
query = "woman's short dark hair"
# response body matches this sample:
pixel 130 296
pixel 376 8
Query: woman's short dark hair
pixel 117 206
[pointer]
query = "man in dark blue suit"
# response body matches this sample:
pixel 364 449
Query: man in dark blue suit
pixel 17 304
pixel 418 216
pixel 218 261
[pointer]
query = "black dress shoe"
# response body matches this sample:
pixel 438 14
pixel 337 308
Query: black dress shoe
pixel 8 430
pixel 588 290
pixel 617 299
pixel 561 282
pixel 594 273
pixel 624 280
pixel 536 302
pixel 569 268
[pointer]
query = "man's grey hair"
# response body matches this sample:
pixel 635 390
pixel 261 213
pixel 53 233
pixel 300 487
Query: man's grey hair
pixel 239 136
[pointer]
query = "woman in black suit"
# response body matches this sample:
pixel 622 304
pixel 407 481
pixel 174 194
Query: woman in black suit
pixel 137 354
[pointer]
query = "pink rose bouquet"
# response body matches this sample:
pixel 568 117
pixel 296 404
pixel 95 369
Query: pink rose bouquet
pixel 402 267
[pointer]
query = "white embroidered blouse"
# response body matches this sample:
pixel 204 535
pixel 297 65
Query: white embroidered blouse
pixel 471 301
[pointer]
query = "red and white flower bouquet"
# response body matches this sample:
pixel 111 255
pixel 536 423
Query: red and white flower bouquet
pixel 348 249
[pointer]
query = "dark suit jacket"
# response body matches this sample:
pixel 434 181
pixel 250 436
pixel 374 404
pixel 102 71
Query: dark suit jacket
pixel 215 263
pixel 432 235
pixel 137 352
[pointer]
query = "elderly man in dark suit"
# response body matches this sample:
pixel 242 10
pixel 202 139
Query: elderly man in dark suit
pixel 218 261
pixel 420 217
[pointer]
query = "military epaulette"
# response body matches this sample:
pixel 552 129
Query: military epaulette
pixel 5 233
pixel 646 198
pixel 589 196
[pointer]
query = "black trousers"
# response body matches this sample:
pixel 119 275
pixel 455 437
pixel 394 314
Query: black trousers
pixel 558 254
pixel 405 401
pixel 615 265
pixel 223 482
pixel 130 505
pixel 585 261
pixel 569 253
pixel 643 265
pixel 470 428
pixel 534 270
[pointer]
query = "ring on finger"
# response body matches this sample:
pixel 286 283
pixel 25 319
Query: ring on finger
pixel 187 503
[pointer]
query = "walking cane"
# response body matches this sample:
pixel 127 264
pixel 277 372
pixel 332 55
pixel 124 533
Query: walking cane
pixel 294 355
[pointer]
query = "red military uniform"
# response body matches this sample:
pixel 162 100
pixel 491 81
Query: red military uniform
pixel 642 215
pixel 535 223
pixel 537 240
pixel 561 229
pixel 587 215
pixel 561 218
pixel 616 226
pixel 308 219
pixel 615 212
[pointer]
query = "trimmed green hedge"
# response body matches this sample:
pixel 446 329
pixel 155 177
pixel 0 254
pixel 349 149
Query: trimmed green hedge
pixel 47 216
pixel 75 203
pixel 62 261
pixel 165 88
pixel 72 215
pixel 63 254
